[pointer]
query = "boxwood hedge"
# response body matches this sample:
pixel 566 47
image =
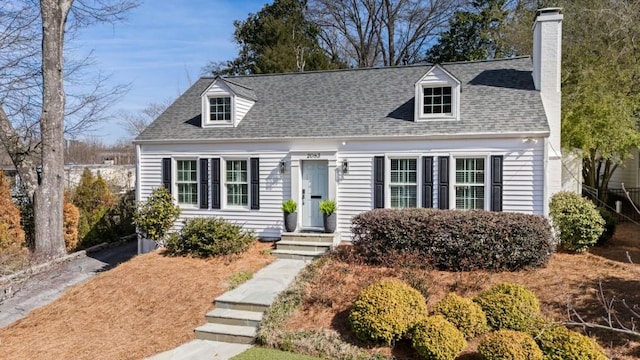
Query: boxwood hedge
pixel 453 240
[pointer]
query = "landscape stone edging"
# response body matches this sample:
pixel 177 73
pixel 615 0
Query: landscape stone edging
pixel 41 267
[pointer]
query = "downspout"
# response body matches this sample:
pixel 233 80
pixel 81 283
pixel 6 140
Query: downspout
pixel 138 193
pixel 546 178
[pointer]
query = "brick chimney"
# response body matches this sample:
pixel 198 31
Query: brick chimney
pixel 547 64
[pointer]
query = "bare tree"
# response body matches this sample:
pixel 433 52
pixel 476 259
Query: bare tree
pixel 135 123
pixel 33 103
pixel 367 33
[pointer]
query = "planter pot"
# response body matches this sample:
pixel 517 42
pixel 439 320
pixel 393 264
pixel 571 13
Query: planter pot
pixel 330 222
pixel 290 222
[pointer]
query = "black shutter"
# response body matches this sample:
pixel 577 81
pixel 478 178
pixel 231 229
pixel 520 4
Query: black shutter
pixel 166 174
pixel 443 182
pixel 204 183
pixel 215 183
pixel 378 182
pixel 496 182
pixel 255 184
pixel 427 181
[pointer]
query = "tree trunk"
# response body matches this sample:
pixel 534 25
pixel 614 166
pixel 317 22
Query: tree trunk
pixel 48 197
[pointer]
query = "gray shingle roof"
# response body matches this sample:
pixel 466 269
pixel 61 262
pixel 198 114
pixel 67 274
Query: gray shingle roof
pixel 497 97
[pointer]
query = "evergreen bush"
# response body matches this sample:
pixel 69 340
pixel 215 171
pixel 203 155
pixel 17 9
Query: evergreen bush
pixel 71 216
pixel 463 313
pixel 155 216
pixel 453 240
pixel 437 339
pixel 11 233
pixel 577 220
pixel 510 306
pixel 206 237
pixel 385 311
pixel 560 343
pixel 509 345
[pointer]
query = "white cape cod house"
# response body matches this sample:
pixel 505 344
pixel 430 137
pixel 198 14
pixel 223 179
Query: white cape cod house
pixel 470 135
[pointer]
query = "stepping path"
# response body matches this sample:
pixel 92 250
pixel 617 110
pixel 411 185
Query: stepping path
pixel 231 327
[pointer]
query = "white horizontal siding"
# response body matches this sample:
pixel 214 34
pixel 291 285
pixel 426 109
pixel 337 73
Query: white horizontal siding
pixel 523 174
pixel 242 107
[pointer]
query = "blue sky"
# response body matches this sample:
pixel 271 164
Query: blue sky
pixel 162 45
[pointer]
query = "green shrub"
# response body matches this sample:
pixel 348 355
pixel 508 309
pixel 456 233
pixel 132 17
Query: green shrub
pixel 453 240
pixel 578 222
pixel 205 237
pixel 466 315
pixel 508 345
pixel 510 306
pixel 155 216
pixel 328 207
pixel 289 206
pixel 385 311
pixel 560 343
pixel 437 339
pixel 610 224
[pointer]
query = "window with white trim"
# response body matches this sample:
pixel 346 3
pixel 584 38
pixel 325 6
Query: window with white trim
pixel 437 100
pixel 220 108
pixel 237 183
pixel 187 182
pixel 403 183
pixel 470 183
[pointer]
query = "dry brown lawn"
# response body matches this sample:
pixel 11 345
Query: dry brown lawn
pixel 567 279
pixel 145 306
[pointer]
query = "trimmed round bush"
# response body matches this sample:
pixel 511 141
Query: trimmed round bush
pixel 463 313
pixel 560 343
pixel 385 311
pixel 509 345
pixel 436 338
pixel 205 237
pixel 510 306
pixel 577 220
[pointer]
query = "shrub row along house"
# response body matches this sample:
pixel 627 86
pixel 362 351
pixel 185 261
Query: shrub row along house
pixel 470 135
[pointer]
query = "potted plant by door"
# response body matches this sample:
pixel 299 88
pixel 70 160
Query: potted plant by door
pixel 328 210
pixel 289 208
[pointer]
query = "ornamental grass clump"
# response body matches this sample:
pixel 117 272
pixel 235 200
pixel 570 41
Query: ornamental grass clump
pixel 436 338
pixel 510 306
pixel 466 315
pixel 509 345
pixel 560 343
pixel 385 311
pixel 577 220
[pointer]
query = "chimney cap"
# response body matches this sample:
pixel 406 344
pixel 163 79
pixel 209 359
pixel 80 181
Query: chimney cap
pixel 550 11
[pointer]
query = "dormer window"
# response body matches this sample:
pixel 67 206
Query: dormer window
pixel 437 100
pixel 220 108
pixel 437 96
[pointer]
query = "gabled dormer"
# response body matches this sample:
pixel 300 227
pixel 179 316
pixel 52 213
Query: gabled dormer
pixel 225 103
pixel 437 96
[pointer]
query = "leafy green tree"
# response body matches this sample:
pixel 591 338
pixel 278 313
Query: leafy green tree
pixel 477 34
pixel 279 38
pixel 601 85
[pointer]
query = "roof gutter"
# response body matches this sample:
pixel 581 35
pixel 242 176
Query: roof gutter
pixel 528 134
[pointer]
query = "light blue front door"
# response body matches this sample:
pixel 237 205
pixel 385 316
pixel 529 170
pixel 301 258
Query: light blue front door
pixel 314 189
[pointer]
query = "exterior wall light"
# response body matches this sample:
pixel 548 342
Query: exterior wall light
pixel 282 167
pixel 345 167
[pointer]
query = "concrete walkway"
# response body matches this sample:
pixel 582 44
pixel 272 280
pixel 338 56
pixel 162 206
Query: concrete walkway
pixel 262 289
pixel 48 285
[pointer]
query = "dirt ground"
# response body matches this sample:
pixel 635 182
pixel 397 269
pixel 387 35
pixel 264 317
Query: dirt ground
pixel 568 280
pixel 145 306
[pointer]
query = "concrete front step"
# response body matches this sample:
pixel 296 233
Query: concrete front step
pixel 311 237
pixel 226 333
pixel 234 317
pixel 303 245
pixel 297 254
pixel 241 305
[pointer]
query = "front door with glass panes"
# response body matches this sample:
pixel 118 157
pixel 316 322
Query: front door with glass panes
pixel 315 188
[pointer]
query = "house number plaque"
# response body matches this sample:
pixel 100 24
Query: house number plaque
pixel 313 155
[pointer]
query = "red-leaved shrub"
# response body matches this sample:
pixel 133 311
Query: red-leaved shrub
pixel 453 240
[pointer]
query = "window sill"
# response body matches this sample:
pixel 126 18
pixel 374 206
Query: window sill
pixel 236 209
